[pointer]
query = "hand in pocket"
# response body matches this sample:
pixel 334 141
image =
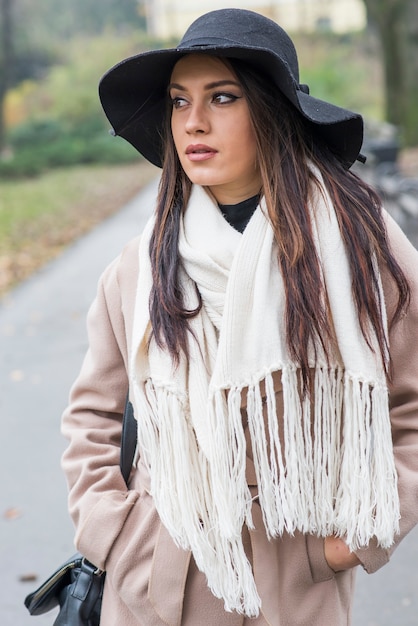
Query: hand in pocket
pixel 338 554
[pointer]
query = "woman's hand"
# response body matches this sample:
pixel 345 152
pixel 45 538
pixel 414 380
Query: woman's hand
pixel 338 555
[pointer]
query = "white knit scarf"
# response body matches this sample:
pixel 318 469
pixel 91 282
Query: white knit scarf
pixel 331 472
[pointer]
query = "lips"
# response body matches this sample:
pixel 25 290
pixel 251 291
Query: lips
pixel 200 152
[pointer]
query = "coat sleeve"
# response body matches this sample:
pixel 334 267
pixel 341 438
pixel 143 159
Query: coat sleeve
pixel 403 396
pixel 99 501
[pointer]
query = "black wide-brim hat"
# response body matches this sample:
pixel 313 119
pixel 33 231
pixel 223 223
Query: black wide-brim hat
pixel 134 92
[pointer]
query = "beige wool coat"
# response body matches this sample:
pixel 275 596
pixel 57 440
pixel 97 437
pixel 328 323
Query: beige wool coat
pixel 151 582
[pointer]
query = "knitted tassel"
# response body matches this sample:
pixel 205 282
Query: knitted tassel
pixel 228 460
pixel 307 482
pixel 278 471
pixel 178 477
pixel 328 409
pixel 367 503
pixel 383 473
pixel 189 495
pixel 229 576
pixel 298 467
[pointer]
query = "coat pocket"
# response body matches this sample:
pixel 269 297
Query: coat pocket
pixel 320 570
pixel 167 582
pixel 147 570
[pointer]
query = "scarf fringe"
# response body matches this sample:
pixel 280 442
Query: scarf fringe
pixel 367 501
pixel 304 471
pixel 186 494
pixel 308 483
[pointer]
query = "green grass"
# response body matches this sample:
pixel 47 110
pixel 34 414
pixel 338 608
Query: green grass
pixel 60 197
pixel 24 203
pixel 40 216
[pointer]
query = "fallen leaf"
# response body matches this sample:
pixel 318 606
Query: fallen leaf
pixel 12 513
pixel 30 577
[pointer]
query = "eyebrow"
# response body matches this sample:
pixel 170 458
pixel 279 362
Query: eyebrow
pixel 214 85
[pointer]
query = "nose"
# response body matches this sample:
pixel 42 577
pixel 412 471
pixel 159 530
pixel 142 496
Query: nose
pixel 197 119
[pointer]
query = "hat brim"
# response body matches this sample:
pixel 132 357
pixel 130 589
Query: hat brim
pixel 134 99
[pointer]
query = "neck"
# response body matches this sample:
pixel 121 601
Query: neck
pixel 230 195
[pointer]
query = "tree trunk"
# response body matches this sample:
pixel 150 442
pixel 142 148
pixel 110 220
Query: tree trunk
pixel 6 56
pixel 410 125
pixel 387 16
pixel 397 25
pixel 394 74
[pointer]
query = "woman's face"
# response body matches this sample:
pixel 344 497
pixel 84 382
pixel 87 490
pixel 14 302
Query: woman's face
pixel 212 130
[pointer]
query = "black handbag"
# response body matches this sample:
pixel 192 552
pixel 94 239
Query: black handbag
pixel 77 586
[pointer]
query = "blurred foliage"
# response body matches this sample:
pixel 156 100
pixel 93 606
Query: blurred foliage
pixel 343 69
pixel 58 120
pixel 41 145
pixel 38 36
pixel 43 29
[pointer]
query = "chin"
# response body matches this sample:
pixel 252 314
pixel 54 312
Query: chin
pixel 204 181
pixel 203 176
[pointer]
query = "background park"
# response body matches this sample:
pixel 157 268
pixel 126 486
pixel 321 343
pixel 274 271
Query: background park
pixel 60 170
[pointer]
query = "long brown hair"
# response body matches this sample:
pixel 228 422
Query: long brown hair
pixel 285 145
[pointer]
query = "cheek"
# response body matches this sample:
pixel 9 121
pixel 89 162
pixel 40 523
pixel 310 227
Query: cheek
pixel 242 135
pixel 246 143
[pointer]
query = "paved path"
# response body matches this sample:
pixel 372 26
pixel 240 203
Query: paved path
pixel 43 339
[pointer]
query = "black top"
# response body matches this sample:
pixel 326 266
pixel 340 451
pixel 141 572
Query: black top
pixel 238 215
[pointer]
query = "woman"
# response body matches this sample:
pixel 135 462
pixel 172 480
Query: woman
pixel 259 323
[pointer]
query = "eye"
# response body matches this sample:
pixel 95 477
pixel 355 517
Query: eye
pixel 224 98
pixel 178 102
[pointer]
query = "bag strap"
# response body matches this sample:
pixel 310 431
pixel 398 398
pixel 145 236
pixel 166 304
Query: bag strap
pixel 128 441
